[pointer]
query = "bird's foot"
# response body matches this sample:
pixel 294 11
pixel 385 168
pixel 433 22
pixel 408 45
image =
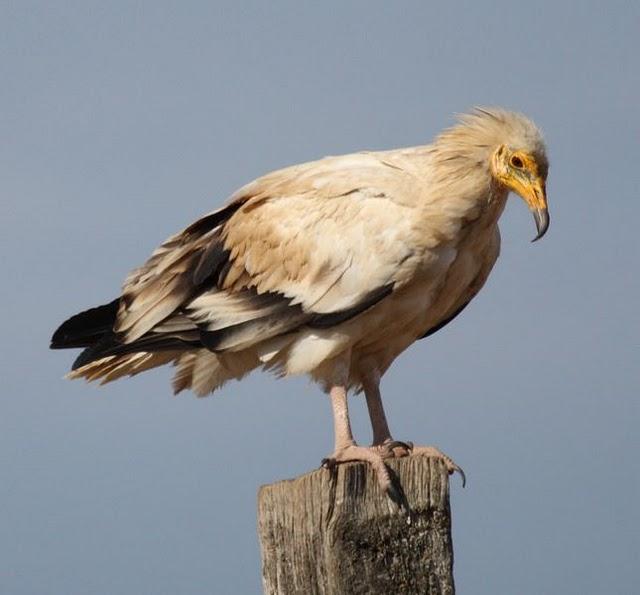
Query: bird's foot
pixel 374 455
pixel 432 451
pixel 391 448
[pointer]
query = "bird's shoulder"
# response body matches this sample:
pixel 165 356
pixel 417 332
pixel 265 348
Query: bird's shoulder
pixel 394 173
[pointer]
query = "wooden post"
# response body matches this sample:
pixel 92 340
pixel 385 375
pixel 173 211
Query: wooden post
pixel 334 532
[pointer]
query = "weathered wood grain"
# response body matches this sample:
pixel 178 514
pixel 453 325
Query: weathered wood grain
pixel 334 532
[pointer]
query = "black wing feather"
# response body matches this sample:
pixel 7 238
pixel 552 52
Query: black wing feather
pixel 334 318
pixel 445 322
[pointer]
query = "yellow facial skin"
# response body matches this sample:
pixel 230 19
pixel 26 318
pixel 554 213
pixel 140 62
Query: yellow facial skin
pixel 520 172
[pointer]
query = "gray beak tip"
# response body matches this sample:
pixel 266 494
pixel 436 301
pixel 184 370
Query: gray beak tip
pixel 541 217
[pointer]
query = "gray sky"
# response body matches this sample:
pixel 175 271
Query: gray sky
pixel 121 123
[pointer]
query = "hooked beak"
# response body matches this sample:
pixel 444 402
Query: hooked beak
pixel 541 217
pixel 536 198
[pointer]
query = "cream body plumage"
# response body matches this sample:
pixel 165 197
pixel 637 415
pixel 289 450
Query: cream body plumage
pixel 330 268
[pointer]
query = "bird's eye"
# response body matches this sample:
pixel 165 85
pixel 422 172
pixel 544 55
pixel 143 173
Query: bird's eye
pixel 517 162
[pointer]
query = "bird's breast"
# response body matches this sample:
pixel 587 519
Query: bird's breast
pixel 452 279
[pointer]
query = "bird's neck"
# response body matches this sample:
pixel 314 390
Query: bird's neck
pixel 480 217
pixel 464 184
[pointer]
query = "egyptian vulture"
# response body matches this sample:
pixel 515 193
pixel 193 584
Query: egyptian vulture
pixel 330 268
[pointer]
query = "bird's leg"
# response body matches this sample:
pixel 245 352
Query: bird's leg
pixel 341 424
pixel 346 449
pixel 379 425
pixel 382 437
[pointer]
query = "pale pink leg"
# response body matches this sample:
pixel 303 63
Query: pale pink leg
pixel 346 449
pixel 382 436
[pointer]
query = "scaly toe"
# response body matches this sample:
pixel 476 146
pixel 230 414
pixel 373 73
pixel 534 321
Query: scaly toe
pixel 449 463
pixel 367 454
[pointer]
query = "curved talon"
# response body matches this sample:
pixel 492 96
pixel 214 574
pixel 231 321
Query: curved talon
pixel 328 463
pixel 391 448
pixel 453 468
pixel 397 444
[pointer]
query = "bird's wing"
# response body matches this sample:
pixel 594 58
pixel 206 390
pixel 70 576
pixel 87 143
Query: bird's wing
pixel 158 288
pixel 489 258
pixel 313 244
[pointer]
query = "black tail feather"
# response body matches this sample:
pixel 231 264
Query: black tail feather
pixel 95 351
pixel 110 345
pixel 87 328
pixel 93 330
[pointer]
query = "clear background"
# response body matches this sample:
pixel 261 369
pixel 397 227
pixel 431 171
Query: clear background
pixel 122 122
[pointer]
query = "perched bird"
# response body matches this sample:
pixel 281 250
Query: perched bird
pixel 330 268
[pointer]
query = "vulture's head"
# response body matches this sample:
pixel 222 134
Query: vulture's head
pixel 521 165
pixel 509 147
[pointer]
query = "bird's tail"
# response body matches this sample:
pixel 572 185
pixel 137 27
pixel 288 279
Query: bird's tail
pixel 198 369
pixel 105 359
pixel 112 367
pixel 87 328
pixel 93 330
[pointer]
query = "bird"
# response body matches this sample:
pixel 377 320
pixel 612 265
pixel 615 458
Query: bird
pixel 330 269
